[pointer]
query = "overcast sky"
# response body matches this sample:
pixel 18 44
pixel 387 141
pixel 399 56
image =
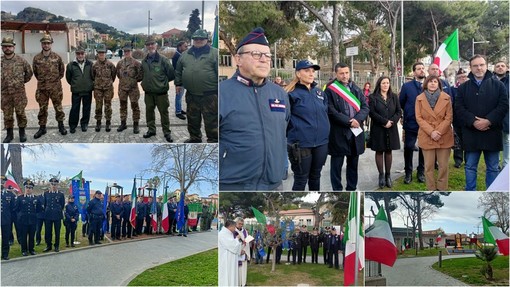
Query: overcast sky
pixel 460 213
pixel 101 164
pixel 127 16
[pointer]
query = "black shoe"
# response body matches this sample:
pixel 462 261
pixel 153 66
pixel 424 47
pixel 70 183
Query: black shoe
pixel 72 130
pixel 136 129
pixel 193 141
pixel 22 135
pixel 57 249
pixel 185 235
pixel 99 242
pixel 24 253
pixel 98 126
pixel 47 249
pixel 32 252
pixel 408 178
pixel 72 245
pixel 84 128
pixel 181 116
pixel 421 177
pixel 183 112
pixel 5 257
pixel 148 134
pixel 40 132
pixel 108 128
pixel 10 135
pixel 381 181
pixel 168 138
pixel 457 165
pixel 61 129
pixel 389 182
pixel 122 126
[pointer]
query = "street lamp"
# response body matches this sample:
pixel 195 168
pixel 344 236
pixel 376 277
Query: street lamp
pixel 473 45
pixel 149 24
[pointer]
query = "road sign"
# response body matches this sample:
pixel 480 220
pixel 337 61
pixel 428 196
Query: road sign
pixel 351 51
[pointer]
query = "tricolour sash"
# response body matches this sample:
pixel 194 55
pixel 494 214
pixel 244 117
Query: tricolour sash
pixel 345 94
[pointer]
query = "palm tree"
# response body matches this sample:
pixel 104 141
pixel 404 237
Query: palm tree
pixel 486 254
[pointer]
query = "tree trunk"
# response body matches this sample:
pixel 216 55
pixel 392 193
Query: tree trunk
pixel 418 208
pixel 387 207
pixel 228 42
pixel 16 164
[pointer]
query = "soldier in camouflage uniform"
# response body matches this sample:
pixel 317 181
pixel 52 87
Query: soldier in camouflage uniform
pixel 104 73
pixel 16 71
pixel 48 70
pixel 129 72
pixel 197 72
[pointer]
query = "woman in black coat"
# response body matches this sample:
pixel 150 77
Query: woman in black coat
pixel 385 113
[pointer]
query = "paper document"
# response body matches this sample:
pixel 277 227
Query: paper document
pixel 356 131
pixel 248 239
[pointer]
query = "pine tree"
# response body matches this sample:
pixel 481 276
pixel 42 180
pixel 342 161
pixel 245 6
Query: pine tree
pixel 194 23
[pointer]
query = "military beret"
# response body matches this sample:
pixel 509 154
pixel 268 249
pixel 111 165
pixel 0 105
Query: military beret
pixel 28 183
pixel 47 39
pixel 53 180
pixel 305 64
pixel 98 192
pixel 254 37
pixel 200 34
pixel 8 41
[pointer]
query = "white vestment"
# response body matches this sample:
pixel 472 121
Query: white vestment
pixel 243 269
pixel 229 251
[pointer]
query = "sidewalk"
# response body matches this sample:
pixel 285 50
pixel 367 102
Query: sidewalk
pixel 106 265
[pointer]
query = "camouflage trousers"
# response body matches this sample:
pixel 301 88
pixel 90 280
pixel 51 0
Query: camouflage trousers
pixel 14 103
pixel 103 97
pixel 206 107
pixel 133 96
pixel 43 97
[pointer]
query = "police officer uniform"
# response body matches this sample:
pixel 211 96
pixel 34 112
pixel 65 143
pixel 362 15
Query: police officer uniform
pixel 305 241
pixel 117 212
pixel 314 246
pixel 40 221
pixel 334 245
pixel 324 238
pixel 141 210
pixel 95 216
pixel 54 202
pixel 127 229
pixel 8 208
pixel 172 207
pixel 27 207
pixel 296 248
pixel 72 214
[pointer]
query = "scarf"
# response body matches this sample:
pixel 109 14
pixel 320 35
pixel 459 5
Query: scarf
pixel 432 98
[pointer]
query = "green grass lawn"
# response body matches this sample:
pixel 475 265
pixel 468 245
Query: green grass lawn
pixel 292 275
pixel 467 270
pixel 197 270
pixel 456 179
pixel 421 253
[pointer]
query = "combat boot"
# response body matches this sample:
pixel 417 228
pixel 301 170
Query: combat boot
pixel 22 135
pixel 108 123
pixel 10 135
pixel 98 126
pixel 122 126
pixel 62 129
pixel 136 129
pixel 40 132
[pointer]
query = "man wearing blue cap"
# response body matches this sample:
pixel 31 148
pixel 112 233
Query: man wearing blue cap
pixel 254 113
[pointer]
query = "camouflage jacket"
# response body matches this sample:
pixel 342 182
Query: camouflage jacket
pixel 129 72
pixel 15 73
pixel 104 74
pixel 48 71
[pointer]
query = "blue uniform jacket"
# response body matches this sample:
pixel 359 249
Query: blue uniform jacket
pixel 95 209
pixel 505 120
pixel 8 207
pixel 126 207
pixel 408 94
pixel 116 209
pixel 27 207
pixel 71 212
pixel 54 205
pixel 141 209
pixel 309 123
pixel 253 122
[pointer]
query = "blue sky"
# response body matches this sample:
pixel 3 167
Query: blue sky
pixel 102 164
pixel 130 16
pixel 460 213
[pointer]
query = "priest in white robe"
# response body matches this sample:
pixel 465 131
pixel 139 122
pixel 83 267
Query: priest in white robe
pixel 230 248
pixel 243 260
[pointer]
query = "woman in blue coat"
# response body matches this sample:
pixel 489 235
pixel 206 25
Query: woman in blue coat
pixel 308 129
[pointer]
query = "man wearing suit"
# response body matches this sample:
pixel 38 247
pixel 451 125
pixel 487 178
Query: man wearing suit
pixel 54 202
pixel 347 109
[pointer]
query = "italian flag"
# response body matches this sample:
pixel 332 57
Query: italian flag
pixel 132 215
pixel 165 223
pixel 438 238
pixel 10 181
pixel 154 212
pixel 193 209
pixel 353 234
pixel 448 51
pixel 345 94
pixel 493 234
pixel 379 243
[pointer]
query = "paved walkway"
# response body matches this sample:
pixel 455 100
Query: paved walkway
pixel 418 272
pixel 107 265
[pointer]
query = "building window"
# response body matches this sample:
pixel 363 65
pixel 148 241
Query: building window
pixel 277 64
pixel 226 60
pixel 300 222
pixel 308 222
pixel 294 63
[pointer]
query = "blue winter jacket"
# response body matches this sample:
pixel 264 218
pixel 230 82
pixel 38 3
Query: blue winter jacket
pixel 309 123
pixel 408 94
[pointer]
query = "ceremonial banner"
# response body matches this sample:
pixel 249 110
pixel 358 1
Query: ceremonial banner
pixel 154 213
pixel 179 215
pixel 165 222
pixel 132 215
pixel 194 209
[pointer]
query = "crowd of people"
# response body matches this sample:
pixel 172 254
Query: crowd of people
pixel 194 69
pixel 238 249
pixel 30 213
pixel 263 128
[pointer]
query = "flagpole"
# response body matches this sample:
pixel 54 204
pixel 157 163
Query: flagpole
pixel 356 253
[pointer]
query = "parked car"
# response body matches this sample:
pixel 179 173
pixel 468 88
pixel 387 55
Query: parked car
pixel 109 54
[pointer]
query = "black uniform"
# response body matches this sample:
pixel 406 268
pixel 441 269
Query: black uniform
pixel 96 217
pixel 334 245
pixel 27 208
pixel 148 220
pixel 53 206
pixel 40 221
pixel 314 246
pixel 117 210
pixel 127 229
pixel 71 212
pixel 7 213
pixel 296 248
pixel 141 211
pixel 324 239
pixel 171 217
pixel 305 241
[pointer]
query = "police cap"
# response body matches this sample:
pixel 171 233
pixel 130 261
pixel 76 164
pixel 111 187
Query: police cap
pixel 28 183
pixel 54 180
pixel 98 192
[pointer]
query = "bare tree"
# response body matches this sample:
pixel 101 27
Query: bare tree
pixel 187 164
pixel 495 205
pixel 392 10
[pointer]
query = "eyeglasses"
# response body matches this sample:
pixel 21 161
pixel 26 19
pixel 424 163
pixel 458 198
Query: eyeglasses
pixel 257 55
